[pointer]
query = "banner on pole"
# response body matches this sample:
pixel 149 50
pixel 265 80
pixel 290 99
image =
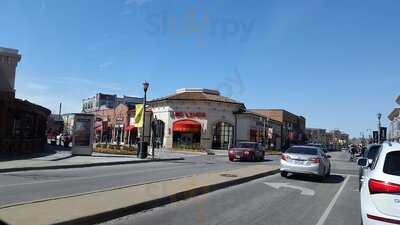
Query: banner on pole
pixel 139 115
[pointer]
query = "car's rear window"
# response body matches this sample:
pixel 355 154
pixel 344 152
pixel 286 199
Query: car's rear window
pixel 247 145
pixel 302 150
pixel 392 163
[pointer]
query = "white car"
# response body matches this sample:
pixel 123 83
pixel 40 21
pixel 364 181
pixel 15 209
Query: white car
pixel 380 191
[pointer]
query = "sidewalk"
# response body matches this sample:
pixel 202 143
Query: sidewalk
pixel 105 205
pixel 64 159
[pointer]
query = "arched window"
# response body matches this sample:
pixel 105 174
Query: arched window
pixel 222 135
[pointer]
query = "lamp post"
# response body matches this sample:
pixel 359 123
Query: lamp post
pixel 379 115
pixel 143 143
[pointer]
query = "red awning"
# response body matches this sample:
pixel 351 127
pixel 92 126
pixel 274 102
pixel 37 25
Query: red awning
pixel 130 128
pixel 187 126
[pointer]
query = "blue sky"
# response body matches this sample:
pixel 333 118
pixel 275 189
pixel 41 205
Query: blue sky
pixel 335 62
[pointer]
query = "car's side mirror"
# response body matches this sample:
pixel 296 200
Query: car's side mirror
pixel 328 156
pixel 363 162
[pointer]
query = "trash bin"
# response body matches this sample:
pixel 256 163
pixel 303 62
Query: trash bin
pixel 143 149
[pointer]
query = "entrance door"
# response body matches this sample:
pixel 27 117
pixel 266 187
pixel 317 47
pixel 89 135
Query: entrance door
pixel 222 135
pixel 187 134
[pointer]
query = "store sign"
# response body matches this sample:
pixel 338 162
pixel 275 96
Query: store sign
pixel 190 114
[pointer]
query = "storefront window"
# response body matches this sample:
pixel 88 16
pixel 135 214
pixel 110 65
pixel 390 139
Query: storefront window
pixel 222 136
pixel 187 134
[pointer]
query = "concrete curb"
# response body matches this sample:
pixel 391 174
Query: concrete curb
pixel 84 165
pixel 120 212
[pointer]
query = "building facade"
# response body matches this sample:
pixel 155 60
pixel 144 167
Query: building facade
pixel 316 135
pixel 293 129
pixel 337 138
pixel 22 123
pixel 394 125
pixel 106 101
pixel 203 119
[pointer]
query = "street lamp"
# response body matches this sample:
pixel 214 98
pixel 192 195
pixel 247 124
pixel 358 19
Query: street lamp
pixel 379 115
pixel 143 143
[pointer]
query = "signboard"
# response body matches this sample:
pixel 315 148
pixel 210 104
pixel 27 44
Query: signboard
pixel 83 134
pixel 190 114
pixel 270 133
pixel 375 136
pixel 383 134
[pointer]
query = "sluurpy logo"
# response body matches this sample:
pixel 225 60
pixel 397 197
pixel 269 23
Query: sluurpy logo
pixel 198 24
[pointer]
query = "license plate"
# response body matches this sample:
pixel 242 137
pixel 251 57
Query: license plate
pixel 298 162
pixel 238 156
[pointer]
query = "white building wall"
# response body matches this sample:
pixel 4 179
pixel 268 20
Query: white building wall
pixel 215 112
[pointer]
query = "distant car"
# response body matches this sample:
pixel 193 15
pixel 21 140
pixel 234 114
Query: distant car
pixel 380 191
pixel 370 154
pixel 308 160
pixel 252 151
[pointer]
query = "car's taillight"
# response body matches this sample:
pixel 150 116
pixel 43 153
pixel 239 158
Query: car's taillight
pixel 380 187
pixel 231 151
pixel 284 157
pixel 315 160
pixel 246 152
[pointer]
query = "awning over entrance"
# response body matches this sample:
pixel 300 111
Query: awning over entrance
pixel 187 126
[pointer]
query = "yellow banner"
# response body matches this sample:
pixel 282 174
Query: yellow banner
pixel 139 115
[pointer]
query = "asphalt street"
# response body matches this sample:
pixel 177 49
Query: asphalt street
pixel 26 186
pixel 271 200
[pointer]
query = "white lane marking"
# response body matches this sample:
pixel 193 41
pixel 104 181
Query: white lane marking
pixel 345 175
pixel 304 191
pixel 328 210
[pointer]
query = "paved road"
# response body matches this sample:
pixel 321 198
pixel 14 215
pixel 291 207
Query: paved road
pixel 34 185
pixel 332 202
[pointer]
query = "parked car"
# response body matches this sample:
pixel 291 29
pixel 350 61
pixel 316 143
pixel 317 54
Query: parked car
pixel 380 191
pixel 247 151
pixel 308 160
pixel 370 154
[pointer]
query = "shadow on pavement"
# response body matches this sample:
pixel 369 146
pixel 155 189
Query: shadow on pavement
pixel 47 151
pixel 2 223
pixel 252 162
pixel 332 179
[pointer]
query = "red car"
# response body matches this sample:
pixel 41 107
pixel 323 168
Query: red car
pixel 252 151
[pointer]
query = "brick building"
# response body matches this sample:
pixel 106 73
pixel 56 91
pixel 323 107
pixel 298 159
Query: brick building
pixel 293 126
pixel 22 123
pixel 316 135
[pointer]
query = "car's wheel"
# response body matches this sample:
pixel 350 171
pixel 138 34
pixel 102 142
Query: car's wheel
pixel 263 156
pixel 329 172
pixel 284 174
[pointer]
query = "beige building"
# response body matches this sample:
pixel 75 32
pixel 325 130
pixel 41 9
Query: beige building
pixel 394 125
pixel 202 118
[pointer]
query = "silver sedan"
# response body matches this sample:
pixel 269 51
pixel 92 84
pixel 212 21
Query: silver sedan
pixel 305 160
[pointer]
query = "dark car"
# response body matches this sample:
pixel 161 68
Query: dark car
pixel 370 153
pixel 252 151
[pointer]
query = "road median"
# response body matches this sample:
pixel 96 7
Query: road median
pixel 101 206
pixel 83 165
